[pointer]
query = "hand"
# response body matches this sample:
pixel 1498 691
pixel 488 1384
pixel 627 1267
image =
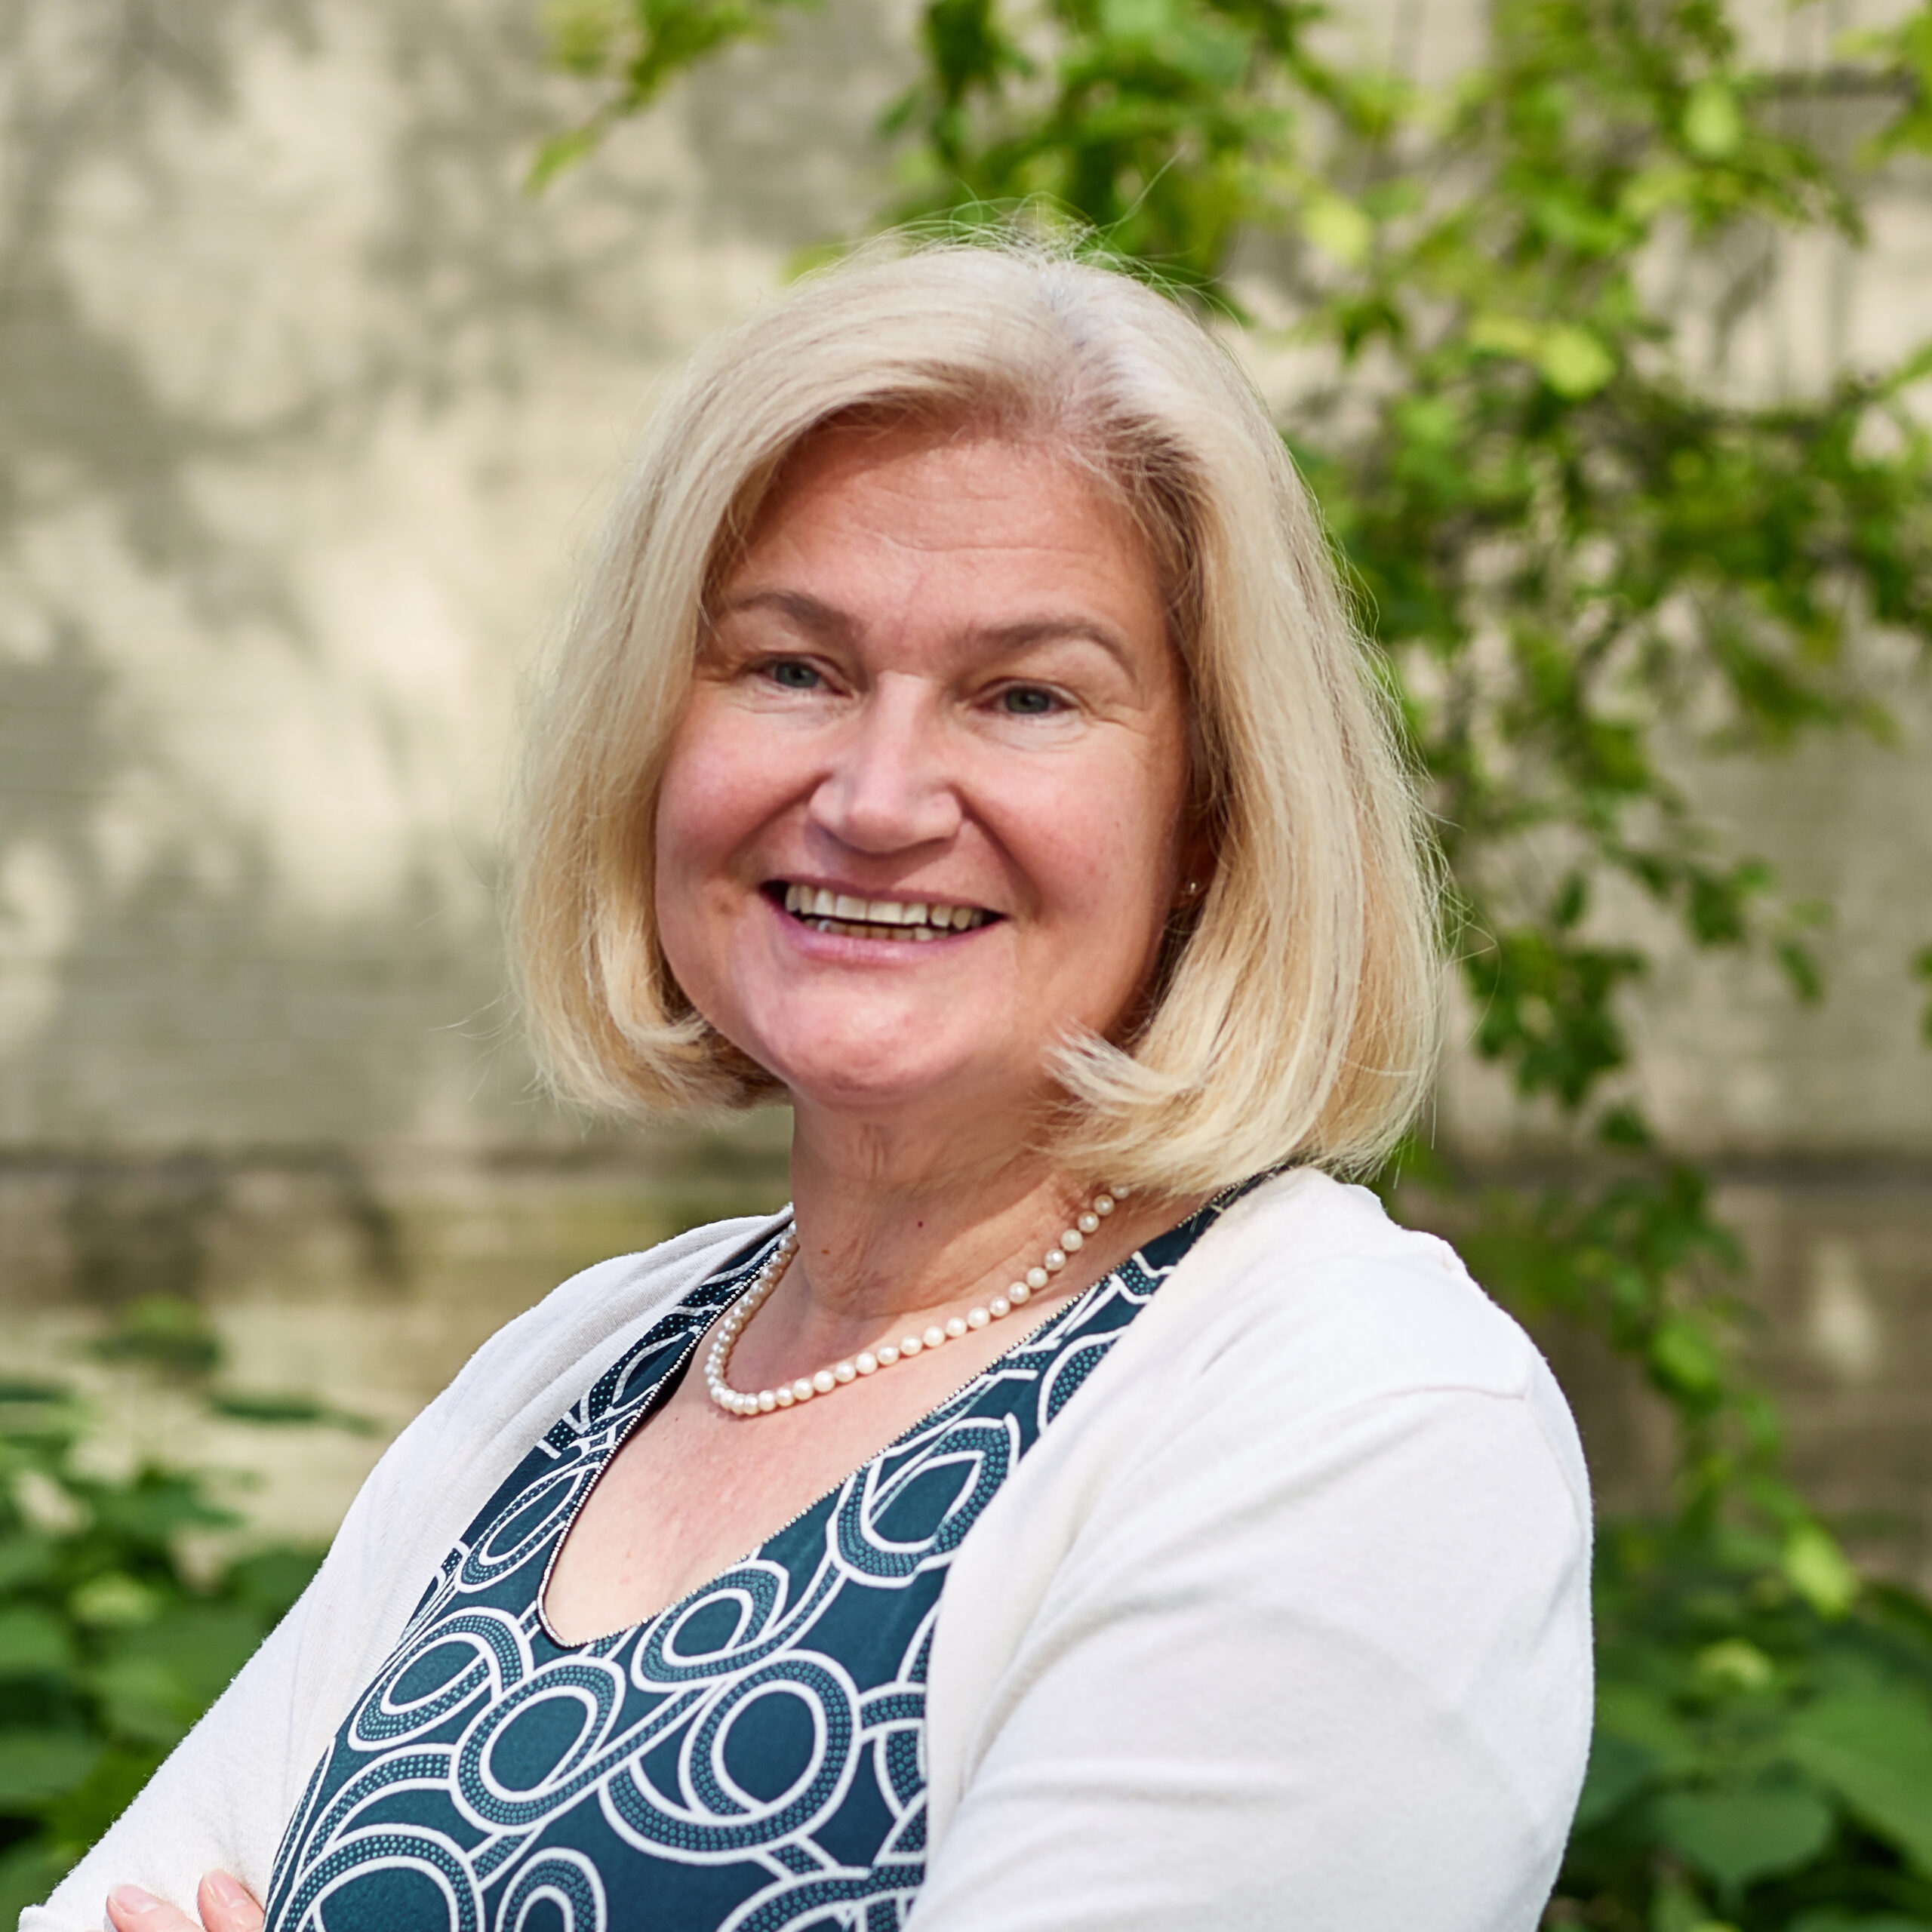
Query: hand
pixel 225 1903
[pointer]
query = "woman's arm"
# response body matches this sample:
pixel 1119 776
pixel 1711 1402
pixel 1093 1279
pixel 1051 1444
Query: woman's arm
pixel 221 1801
pixel 1331 1675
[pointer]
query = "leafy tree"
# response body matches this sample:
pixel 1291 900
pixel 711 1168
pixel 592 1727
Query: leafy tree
pixel 1573 535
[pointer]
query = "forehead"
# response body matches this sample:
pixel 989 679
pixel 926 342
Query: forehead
pixel 935 486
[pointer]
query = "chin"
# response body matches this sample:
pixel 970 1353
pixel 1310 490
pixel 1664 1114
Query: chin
pixel 867 1075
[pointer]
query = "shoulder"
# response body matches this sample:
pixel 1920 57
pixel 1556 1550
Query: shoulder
pixel 581 1325
pixel 1316 1277
pixel 1305 1303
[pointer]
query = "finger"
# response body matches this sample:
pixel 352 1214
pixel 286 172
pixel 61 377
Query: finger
pixel 227 1905
pixel 130 1909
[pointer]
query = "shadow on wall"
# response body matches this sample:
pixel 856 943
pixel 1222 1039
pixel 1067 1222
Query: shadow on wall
pixel 245 250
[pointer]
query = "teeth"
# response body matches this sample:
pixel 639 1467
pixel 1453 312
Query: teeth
pixel 878 918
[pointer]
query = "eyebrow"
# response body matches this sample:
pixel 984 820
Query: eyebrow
pixel 817 618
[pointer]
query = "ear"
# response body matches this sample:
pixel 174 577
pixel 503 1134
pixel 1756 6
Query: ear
pixel 1195 867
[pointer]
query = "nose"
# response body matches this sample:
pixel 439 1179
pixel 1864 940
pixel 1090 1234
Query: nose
pixel 889 788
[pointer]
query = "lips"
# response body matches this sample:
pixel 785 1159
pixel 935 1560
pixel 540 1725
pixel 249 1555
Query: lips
pixel 901 921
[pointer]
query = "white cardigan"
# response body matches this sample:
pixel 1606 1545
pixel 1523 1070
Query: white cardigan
pixel 1283 1624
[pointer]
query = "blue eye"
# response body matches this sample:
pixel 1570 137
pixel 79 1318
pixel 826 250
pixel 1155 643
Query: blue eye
pixel 794 673
pixel 1028 701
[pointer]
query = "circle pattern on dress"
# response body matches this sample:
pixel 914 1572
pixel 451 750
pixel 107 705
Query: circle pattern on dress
pixel 752 1758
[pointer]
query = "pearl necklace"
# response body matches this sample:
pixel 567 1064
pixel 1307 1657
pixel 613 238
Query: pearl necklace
pixel 869 1361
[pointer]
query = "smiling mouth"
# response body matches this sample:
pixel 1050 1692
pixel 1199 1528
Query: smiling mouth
pixel 906 921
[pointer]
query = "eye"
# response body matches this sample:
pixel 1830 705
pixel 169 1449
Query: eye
pixel 1028 701
pixel 793 674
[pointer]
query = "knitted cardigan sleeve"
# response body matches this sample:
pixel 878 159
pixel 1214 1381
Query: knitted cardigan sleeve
pixel 1293 1631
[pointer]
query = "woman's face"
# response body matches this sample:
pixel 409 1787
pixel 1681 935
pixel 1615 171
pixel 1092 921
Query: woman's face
pixel 921 816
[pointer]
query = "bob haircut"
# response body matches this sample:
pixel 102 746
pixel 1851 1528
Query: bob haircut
pixel 1295 1010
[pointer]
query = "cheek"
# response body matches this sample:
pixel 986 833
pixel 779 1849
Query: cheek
pixel 710 800
pixel 1105 849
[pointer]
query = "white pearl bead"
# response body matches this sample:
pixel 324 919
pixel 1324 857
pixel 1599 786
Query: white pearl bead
pixel 734 1318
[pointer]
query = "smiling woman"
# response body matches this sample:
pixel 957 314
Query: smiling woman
pixel 961 737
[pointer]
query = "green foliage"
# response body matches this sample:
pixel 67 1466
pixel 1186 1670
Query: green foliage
pixel 1584 549
pixel 1758 1763
pixel 109 1648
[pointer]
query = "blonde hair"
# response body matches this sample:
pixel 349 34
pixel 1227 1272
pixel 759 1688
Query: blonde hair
pixel 1295 1012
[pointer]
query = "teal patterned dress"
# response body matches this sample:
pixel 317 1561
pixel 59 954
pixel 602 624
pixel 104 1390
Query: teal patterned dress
pixel 752 1757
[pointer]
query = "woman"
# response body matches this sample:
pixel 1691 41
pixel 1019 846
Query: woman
pixel 963 739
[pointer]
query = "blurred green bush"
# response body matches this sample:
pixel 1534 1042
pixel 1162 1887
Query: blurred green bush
pixel 1757 1764
pixel 112 1643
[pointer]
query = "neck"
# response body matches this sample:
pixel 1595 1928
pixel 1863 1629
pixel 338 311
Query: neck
pixel 892 1222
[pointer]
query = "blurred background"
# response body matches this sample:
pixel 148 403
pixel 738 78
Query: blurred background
pixel 310 404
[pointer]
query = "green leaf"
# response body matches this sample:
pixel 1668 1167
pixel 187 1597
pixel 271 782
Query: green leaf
pixel 1641 1717
pixel 1817 1569
pixel 1619 1769
pixel 193 1651
pixel 560 153
pixel 1678 1908
pixel 1874 1750
pixel 1684 1359
pixel 1505 335
pixel 38 1765
pixel 1338 228
pixel 113 1600
pixel 25 1559
pixel 28 1871
pixel 1736 1664
pixel 580 35
pixel 1734 1836
pixel 33 1640
pixel 1713 125
pixel 1573 362
pixel 283 1410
